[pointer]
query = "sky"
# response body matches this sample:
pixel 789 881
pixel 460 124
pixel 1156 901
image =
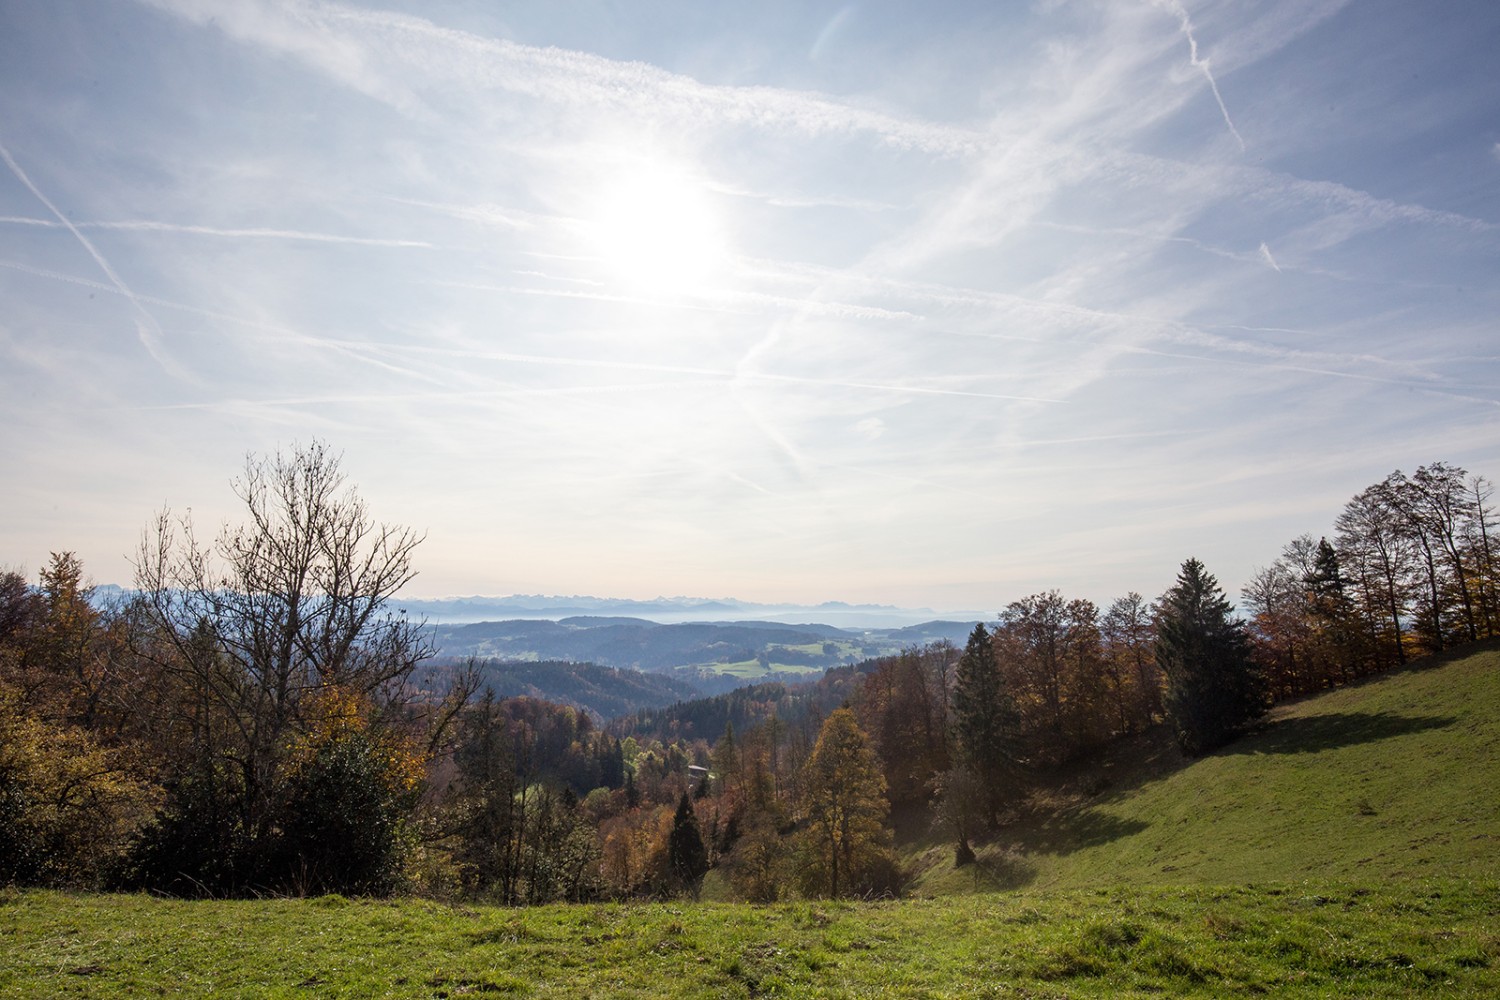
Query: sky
pixel 791 301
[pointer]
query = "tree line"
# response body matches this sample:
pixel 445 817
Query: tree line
pixel 253 719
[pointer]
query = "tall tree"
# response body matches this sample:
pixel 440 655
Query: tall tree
pixel 985 721
pixel 485 808
pixel 1129 634
pixel 897 706
pixel 1278 626
pixel 1438 501
pixel 843 799
pixel 1372 542
pixel 1481 547
pixel 687 857
pixel 1213 686
pixel 1332 613
pixel 285 606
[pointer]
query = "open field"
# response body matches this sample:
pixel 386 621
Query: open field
pixel 1436 938
pixel 753 670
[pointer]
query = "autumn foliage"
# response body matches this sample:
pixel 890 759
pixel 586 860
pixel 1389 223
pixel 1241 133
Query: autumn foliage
pixel 251 720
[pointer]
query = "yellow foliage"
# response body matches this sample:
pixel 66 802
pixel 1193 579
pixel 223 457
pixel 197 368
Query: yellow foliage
pixel 72 803
pixel 333 715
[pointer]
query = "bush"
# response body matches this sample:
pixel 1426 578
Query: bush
pixel 337 819
pixel 343 828
pixel 196 845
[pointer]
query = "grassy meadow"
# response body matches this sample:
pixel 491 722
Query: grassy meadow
pixel 1348 848
pixel 1394 779
pixel 1298 940
pixel 753 669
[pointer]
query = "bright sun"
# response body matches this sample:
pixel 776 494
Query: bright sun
pixel 656 232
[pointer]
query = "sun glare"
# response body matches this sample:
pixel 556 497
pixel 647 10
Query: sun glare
pixel 656 232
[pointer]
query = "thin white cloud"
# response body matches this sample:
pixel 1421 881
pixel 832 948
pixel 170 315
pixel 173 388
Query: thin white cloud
pixel 1265 255
pixel 703 301
pixel 1202 65
pixel 1115 333
pixel 741 374
pixel 801 201
pixel 378 52
pixel 484 214
pixel 147 329
pixel 150 226
pixel 278 332
pixel 830 31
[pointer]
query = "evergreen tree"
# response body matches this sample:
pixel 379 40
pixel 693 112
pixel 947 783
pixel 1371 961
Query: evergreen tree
pixel 985 720
pixel 687 857
pixel 1331 611
pixel 726 758
pixel 1214 688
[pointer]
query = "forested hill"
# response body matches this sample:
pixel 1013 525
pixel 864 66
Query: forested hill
pixel 790 704
pixel 639 644
pixel 602 692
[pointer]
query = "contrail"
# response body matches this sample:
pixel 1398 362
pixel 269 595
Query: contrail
pixel 716 373
pixel 1265 255
pixel 284 332
pixel 258 233
pixel 378 53
pixel 146 326
pixel 1202 64
pixel 152 226
pixel 721 302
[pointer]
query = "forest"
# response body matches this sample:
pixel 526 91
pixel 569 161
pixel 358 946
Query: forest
pixel 254 717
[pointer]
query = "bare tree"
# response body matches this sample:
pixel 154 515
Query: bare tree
pixel 1372 540
pixel 1483 558
pixel 290 606
pixel 1439 500
pixel 1129 636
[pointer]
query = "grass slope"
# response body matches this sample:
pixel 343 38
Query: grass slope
pixel 1394 778
pixel 1433 939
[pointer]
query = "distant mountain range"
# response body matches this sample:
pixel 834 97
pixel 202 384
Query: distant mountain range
pixel 670 610
pixel 718 641
pixel 660 610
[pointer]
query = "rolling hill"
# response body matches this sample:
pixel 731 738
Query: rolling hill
pixel 746 649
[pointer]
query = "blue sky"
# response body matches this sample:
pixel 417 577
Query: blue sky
pixel 787 302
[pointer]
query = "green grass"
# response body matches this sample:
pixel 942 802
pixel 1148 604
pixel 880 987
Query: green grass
pixel 1395 778
pixel 1304 940
pixel 1347 849
pixel 751 668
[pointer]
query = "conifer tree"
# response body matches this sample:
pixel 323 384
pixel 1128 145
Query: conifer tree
pixel 687 857
pixel 1214 688
pixel 985 720
pixel 1331 611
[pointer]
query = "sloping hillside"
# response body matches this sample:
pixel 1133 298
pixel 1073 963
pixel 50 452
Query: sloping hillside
pixel 1395 778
